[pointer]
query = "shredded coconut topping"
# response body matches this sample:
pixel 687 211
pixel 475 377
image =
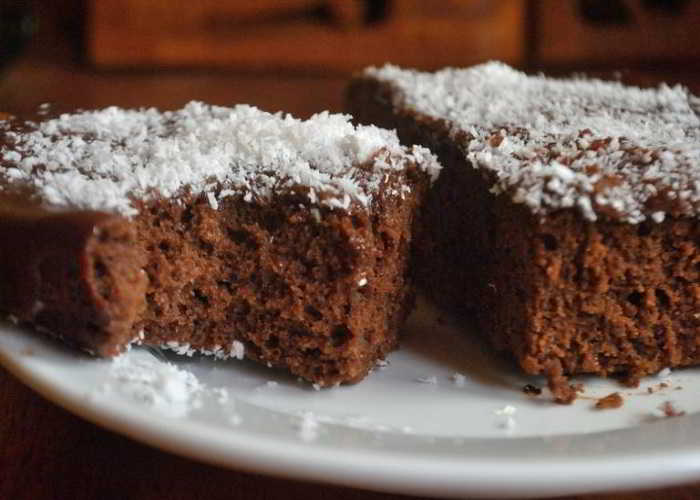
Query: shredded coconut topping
pixel 103 160
pixel 599 147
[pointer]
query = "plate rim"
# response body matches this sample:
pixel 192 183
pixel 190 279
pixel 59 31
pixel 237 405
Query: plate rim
pixel 372 469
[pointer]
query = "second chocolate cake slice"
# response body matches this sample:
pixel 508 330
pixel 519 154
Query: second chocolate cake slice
pixel 566 217
pixel 228 231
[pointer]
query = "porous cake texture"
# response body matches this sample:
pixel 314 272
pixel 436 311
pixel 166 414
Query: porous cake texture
pixel 566 218
pixel 228 231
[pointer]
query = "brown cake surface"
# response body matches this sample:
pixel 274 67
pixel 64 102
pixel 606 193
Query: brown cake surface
pixel 228 231
pixel 566 218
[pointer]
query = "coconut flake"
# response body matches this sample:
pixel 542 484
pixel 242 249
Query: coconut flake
pixel 591 145
pixel 308 427
pixel 507 410
pixel 458 379
pixel 162 387
pixel 237 349
pixel 104 159
pixel 429 380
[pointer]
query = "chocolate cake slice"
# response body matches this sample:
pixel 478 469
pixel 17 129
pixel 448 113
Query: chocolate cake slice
pixel 227 231
pixel 566 217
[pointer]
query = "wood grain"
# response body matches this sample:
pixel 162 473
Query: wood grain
pixel 301 35
pixel 564 36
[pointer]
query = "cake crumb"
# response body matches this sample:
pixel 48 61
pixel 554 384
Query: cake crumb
pixel 653 389
pixel 316 386
pixel 558 383
pixel 665 373
pixel 631 380
pixel 532 390
pixel 611 401
pixel 362 282
pixel 669 410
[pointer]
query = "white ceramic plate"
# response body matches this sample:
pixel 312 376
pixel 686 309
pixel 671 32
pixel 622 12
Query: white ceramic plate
pixel 411 427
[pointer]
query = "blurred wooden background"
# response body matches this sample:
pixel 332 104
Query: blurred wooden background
pixel 331 35
pixel 336 37
pixel 345 35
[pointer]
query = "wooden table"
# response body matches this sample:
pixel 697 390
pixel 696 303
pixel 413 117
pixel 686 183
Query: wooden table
pixel 45 452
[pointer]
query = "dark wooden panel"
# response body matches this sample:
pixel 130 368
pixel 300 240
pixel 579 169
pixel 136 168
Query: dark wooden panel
pixel 616 31
pixel 336 35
